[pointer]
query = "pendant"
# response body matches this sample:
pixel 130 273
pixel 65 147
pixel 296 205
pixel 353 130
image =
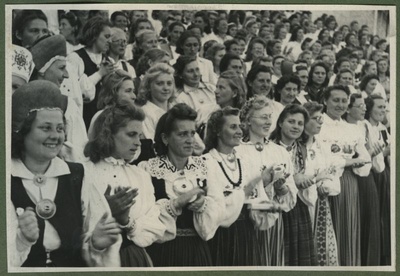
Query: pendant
pixel 259 146
pixel 231 157
pixel 46 209
pixel 39 180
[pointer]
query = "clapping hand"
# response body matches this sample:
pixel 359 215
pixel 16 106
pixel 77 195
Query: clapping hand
pixel 303 181
pixel 249 188
pixel 185 198
pixel 121 202
pixel 105 233
pixel 28 225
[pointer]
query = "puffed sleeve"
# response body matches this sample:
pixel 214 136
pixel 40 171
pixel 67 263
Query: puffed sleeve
pixel 263 220
pixel 207 220
pixel 88 87
pixel 149 223
pixel 92 210
pixel 18 246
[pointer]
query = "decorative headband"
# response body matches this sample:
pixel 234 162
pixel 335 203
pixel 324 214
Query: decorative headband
pixel 50 62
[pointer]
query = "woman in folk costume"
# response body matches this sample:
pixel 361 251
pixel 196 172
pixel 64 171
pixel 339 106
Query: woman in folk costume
pixel 22 66
pixel 369 197
pixel 259 155
pixel 49 56
pixel 299 244
pixel 90 62
pixel 121 190
pixel 183 190
pixel 43 183
pixel 342 140
pixel 321 168
pixel 375 114
pixel 235 244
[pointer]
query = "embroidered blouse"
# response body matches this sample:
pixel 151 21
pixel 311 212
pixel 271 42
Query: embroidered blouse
pixel 178 182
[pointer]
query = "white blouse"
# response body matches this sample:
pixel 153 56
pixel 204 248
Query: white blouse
pixel 342 139
pixel 153 114
pixel 255 162
pixel 199 97
pixel 177 182
pixel 150 224
pixel 234 195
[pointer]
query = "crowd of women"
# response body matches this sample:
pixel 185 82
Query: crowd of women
pixel 198 138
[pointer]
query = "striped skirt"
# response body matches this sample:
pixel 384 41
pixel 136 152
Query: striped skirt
pixel 345 209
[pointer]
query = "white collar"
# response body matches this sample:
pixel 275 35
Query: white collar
pixel 57 168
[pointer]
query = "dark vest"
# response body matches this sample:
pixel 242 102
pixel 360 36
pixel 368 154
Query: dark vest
pixel 89 109
pixel 67 221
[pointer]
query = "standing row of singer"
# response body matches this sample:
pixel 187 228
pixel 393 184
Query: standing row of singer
pixel 198 138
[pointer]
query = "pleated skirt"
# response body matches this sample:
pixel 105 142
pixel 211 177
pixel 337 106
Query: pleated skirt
pixel 182 251
pixel 370 221
pixel 345 209
pixel 298 236
pixel 237 245
pixel 324 235
pixel 134 256
pixel 382 181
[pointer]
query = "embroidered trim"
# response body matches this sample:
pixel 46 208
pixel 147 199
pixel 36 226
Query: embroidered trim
pixel 204 207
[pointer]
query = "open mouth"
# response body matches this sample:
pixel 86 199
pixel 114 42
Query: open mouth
pixel 50 146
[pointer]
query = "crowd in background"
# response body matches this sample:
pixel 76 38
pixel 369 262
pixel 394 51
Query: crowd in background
pixel 198 138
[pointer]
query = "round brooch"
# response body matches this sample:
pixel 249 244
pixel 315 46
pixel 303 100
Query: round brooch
pixel 259 146
pixel 231 157
pixel 39 179
pixel 46 209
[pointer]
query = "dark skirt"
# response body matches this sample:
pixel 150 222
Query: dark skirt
pixel 237 245
pixel 182 251
pixel 271 243
pixel 370 221
pixel 298 236
pixel 345 209
pixel 134 256
pixel 382 181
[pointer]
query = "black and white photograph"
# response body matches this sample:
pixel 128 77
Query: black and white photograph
pixel 200 137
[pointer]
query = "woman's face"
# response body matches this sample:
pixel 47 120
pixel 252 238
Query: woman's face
pixel 383 66
pixel 292 126
pixel 260 122
pixel 357 111
pixel 346 79
pixel 127 91
pixel 162 88
pixel 232 31
pixel 218 56
pixel 149 42
pixel 32 32
pixel 316 49
pixel 257 50
pixel 277 66
pixel 176 32
pixel 66 29
pixel 242 46
pixel 223 93
pixel 277 49
pixel 127 140
pixel 353 40
pixel 353 64
pixel 289 93
pixel 371 69
pixel 222 27
pixel 46 137
pixel 313 126
pixel 325 35
pixel 338 37
pixel 332 25
pixel 282 33
pixel 344 65
pixel 144 26
pixel 231 133
pixel 253 29
pixel 198 21
pixel 191 74
pixel 121 22
pixel 118 44
pixel 180 141
pixel 383 46
pixel 262 84
pixel 300 35
pixel 370 87
pixel 336 104
pixel 303 76
pixel 57 72
pixel 378 111
pixel 319 75
pixel 191 47
pixel 103 40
